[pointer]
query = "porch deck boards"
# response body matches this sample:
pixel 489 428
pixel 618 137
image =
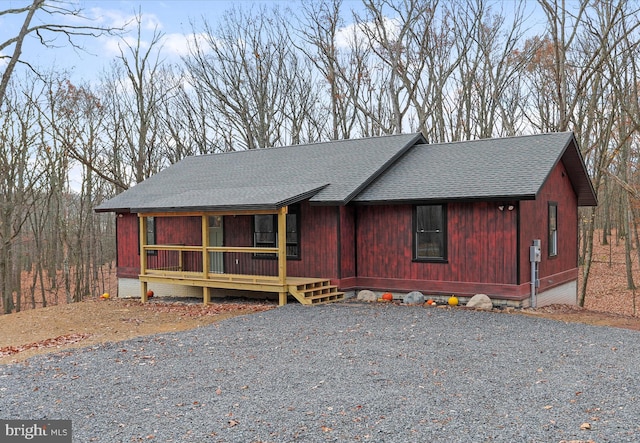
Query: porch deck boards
pixel 305 289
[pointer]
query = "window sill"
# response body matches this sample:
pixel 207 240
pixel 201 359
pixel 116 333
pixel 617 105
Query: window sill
pixel 430 260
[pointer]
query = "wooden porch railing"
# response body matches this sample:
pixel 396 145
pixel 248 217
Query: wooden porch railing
pixel 219 263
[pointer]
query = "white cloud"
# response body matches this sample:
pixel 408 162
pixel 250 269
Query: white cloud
pixel 173 45
pixel 114 18
pixel 113 46
pixel 347 36
pixel 178 44
pixel 111 17
pixel 151 22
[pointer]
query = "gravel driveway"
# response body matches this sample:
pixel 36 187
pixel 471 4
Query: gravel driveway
pixel 344 372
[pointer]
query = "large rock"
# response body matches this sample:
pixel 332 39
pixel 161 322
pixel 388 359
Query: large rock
pixel 480 301
pixel 414 298
pixel 366 295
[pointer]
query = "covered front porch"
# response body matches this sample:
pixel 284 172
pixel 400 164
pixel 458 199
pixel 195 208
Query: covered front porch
pixel 213 265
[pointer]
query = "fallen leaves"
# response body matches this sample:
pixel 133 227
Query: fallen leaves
pixel 110 321
pixel 199 310
pixel 47 343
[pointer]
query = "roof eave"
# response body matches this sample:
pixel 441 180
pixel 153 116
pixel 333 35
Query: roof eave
pixel 461 199
pixel 576 168
pixel 244 207
pixel 204 209
pixel 100 209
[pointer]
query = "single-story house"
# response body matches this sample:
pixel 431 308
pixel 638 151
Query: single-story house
pixel 389 214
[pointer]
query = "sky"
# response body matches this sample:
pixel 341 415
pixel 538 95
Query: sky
pixel 172 17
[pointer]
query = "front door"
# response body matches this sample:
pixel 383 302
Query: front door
pixel 216 236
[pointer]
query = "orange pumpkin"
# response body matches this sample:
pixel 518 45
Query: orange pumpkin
pixel 387 296
pixel 149 293
pixel 430 302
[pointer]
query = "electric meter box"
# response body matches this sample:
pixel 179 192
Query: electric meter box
pixel 534 254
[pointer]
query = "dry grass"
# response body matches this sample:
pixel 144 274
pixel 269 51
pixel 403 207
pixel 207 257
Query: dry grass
pixel 607 286
pixel 95 321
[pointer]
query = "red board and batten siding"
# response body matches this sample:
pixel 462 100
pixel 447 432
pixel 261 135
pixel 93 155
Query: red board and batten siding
pixel 481 247
pixel 318 244
pixel 326 245
pixel 370 247
pixel 127 245
pixel 347 244
pixel 534 224
pixel 169 230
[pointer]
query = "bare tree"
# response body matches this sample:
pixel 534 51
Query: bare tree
pixel 50 14
pixel 577 70
pixel 399 45
pixel 20 168
pixel 340 70
pixel 240 72
pixel 490 65
pixel 142 67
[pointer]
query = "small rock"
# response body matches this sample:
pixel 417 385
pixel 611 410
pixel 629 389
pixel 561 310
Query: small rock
pixel 366 295
pixel 414 298
pixel 480 301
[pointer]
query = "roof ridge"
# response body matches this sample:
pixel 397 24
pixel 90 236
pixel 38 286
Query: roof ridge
pixel 346 140
pixel 543 134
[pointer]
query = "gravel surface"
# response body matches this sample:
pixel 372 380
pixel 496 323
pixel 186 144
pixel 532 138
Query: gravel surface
pixel 344 372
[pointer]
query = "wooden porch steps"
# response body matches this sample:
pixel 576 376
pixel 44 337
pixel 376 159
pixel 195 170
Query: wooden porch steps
pixel 316 292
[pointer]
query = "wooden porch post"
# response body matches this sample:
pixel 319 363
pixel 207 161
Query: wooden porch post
pixel 143 256
pixel 282 254
pixel 206 292
pixel 205 243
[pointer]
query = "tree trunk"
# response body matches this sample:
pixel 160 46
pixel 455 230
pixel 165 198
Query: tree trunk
pixel 5 274
pixel 627 244
pixel 588 254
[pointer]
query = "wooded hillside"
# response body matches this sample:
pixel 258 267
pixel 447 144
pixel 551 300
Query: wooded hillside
pixel 321 70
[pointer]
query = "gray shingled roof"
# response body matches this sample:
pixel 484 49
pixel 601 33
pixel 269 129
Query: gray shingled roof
pixel 398 168
pixel 506 168
pixel 327 173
